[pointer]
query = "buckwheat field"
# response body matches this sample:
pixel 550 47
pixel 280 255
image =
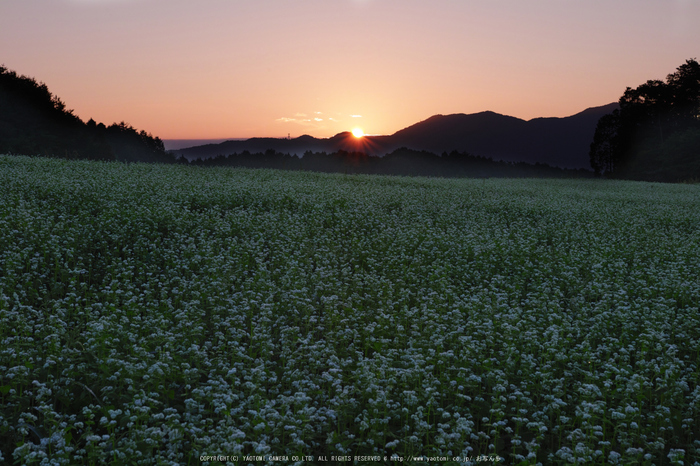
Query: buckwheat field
pixel 153 314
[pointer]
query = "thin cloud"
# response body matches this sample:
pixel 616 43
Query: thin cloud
pixel 355 116
pixel 303 122
pixel 314 120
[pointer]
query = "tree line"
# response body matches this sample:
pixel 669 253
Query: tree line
pixel 33 121
pixel 405 162
pixel 655 133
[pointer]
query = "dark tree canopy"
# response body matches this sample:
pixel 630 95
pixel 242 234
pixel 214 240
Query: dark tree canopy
pixel 604 151
pixel 33 121
pixel 403 162
pixel 656 127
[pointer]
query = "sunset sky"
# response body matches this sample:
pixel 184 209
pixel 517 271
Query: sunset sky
pixel 244 68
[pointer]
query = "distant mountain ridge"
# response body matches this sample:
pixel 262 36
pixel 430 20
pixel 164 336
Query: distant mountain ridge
pixel 559 142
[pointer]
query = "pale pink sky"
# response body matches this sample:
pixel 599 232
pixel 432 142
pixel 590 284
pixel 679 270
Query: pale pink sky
pixel 244 68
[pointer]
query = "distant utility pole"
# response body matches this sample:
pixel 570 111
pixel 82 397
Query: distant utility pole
pixel 289 135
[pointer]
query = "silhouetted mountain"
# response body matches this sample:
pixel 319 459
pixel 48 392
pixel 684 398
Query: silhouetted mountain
pixel 560 142
pixel 33 121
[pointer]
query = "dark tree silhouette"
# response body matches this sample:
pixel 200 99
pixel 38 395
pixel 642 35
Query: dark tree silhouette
pixel 685 84
pixel 604 152
pixel 404 162
pixel 648 116
pixel 33 121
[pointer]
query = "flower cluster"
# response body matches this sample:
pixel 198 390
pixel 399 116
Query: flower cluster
pixel 154 314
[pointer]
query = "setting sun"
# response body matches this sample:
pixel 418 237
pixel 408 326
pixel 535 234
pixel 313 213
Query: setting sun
pixel 358 133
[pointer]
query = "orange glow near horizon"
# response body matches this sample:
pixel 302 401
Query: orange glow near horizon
pixel 223 69
pixel 358 133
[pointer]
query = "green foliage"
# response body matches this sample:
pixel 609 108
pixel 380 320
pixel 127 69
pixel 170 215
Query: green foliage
pixel 150 314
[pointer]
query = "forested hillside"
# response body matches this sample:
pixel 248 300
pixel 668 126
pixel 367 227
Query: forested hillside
pixel 33 121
